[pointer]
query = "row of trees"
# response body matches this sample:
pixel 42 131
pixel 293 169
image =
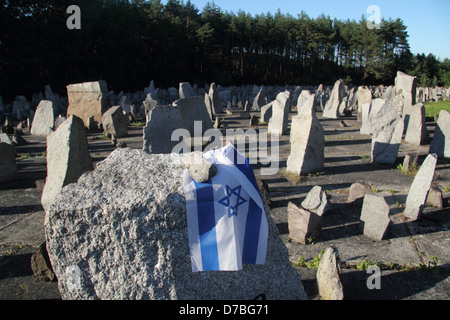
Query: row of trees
pixel 129 43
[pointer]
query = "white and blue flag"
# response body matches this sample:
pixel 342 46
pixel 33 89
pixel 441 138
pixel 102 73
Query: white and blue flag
pixel 227 224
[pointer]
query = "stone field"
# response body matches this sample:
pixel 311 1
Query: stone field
pixel 411 249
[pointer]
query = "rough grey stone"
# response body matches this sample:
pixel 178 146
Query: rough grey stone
pixel 5 139
pixel 434 198
pixel 278 123
pixel 408 85
pixel 67 158
pixel 397 102
pixel 215 99
pixel 375 216
pixel 164 120
pixel 305 100
pixel 115 122
pixel 7 126
pixel 17 140
pixel 365 124
pixel 307 143
pixel 317 201
pixel 328 276
pixel 387 131
pixel 358 190
pixel 420 187
pixel 259 101
pixel 417 132
pixel 441 140
pixel 209 107
pixel 185 90
pixel 338 93
pixel 121 233
pixel 266 113
pixel 303 224
pixel 200 169
pixel 254 121
pixel 44 119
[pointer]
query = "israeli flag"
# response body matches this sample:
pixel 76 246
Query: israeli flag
pixel 227 225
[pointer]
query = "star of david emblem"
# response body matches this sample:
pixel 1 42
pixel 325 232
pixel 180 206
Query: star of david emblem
pixel 233 200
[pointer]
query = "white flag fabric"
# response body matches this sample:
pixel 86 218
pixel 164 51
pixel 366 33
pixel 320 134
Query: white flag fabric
pixel 227 225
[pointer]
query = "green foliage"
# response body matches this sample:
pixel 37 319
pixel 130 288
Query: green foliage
pixel 365 264
pixel 311 264
pixel 412 170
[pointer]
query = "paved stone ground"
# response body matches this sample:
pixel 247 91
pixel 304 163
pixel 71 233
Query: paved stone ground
pixel 404 254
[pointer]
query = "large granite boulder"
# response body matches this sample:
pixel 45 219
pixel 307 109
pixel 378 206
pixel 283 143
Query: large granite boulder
pixel 121 233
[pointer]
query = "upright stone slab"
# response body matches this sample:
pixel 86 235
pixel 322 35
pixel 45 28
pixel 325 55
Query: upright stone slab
pixel 441 140
pixel 307 143
pixel 44 119
pixel 420 187
pixel 417 132
pixel 278 123
pixel 365 121
pixel 331 109
pixel 259 101
pixel 266 113
pixel 303 224
pixel 8 167
pixel 397 102
pixel 115 122
pixel 215 99
pixel 88 99
pixel 305 100
pixel 67 158
pixel 387 131
pixel 408 85
pixel 192 110
pixel 364 103
pixel 328 276
pixel 120 233
pixel 375 216
pixel 163 121
pixel 185 90
pixel 209 106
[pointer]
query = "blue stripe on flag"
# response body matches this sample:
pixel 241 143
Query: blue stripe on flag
pixel 252 229
pixel 245 168
pixel 207 226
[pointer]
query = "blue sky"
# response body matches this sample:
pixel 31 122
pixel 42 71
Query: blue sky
pixel 427 21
